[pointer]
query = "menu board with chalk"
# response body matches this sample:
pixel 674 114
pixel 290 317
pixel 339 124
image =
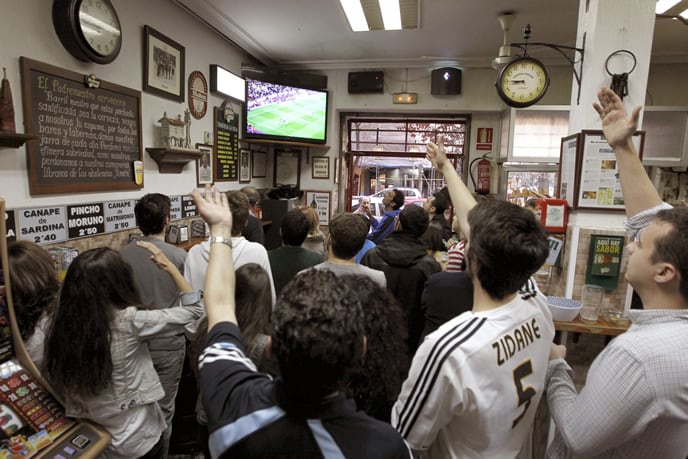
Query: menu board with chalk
pixel 87 131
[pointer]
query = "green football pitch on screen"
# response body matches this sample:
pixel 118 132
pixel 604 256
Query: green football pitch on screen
pixel 302 117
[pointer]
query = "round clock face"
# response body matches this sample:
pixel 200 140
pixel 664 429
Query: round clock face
pixel 100 25
pixel 88 29
pixel 522 82
pixel 198 94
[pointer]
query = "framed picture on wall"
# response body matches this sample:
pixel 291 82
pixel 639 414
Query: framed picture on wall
pixel 204 166
pixel 244 166
pixel 320 201
pixel 320 167
pixel 287 167
pixel 163 65
pixel 258 164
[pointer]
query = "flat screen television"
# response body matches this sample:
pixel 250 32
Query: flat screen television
pixel 275 111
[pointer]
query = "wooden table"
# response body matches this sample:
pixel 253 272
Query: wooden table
pixel 601 327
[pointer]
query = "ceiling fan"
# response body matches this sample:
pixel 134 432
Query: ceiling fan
pixel 505 19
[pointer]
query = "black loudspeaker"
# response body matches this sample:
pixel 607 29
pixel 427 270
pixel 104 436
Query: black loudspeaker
pixel 445 81
pixel 366 82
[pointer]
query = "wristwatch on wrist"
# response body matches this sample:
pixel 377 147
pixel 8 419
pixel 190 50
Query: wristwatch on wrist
pixel 221 240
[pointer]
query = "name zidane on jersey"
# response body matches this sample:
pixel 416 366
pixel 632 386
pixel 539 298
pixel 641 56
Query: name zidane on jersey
pixel 518 339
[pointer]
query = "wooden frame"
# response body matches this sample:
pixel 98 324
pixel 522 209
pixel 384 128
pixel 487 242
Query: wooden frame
pixel 258 164
pixel 321 201
pixel 77 170
pixel 244 166
pixel 320 167
pixel 287 166
pixel 204 174
pixel 588 173
pixel 163 65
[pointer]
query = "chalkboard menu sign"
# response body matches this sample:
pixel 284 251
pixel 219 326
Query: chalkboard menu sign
pixel 226 145
pixel 88 131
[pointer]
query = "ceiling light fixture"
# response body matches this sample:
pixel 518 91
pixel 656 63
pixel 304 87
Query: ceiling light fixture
pixel 665 5
pixel 354 14
pixel 391 14
pixel 366 15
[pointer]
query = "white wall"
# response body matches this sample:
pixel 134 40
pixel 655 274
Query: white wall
pixel 27 30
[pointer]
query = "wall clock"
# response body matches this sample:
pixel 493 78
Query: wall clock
pixel 89 29
pixel 198 94
pixel 522 82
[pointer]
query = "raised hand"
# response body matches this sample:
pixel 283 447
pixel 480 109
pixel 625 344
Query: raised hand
pixel 158 257
pixel 436 153
pixel 213 207
pixel 618 127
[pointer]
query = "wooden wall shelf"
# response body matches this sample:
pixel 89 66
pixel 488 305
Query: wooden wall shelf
pixel 13 140
pixel 285 143
pixel 173 160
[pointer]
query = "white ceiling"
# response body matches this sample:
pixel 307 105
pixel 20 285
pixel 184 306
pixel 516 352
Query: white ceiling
pixel 315 33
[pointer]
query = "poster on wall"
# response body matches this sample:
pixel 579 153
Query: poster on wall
pixel 567 168
pixel 599 186
pixel 320 201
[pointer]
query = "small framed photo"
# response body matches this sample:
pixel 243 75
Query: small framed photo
pixel 244 166
pixel 163 65
pixel 320 201
pixel 320 167
pixel 259 164
pixel 204 166
pixel 287 167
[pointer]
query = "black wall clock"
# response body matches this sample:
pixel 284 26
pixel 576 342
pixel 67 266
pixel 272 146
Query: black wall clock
pixel 89 29
pixel 522 82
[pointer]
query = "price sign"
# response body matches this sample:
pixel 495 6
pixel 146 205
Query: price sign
pixel 119 215
pixel 188 207
pixel 175 207
pixel 10 227
pixel 85 220
pixel 43 225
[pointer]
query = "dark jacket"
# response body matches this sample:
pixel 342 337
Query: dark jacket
pixel 254 230
pixel 446 295
pixel 407 266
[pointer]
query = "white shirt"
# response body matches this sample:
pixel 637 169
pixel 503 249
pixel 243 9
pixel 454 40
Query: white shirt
pixel 243 252
pixel 475 383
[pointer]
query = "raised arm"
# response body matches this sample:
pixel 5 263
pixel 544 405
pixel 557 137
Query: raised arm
pixel 461 197
pixel 219 279
pixel 638 192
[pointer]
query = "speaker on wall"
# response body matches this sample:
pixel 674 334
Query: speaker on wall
pixel 366 82
pixel 445 81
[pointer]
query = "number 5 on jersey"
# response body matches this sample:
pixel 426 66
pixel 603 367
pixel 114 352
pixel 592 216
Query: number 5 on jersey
pixel 524 394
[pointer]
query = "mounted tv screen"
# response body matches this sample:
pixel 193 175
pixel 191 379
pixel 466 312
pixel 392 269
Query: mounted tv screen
pixel 280 112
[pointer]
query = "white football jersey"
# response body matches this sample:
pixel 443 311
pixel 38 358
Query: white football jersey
pixel 475 383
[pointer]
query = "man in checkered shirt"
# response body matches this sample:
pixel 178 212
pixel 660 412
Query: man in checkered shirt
pixel 635 400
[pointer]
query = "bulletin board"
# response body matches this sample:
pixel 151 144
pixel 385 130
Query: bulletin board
pixel 588 173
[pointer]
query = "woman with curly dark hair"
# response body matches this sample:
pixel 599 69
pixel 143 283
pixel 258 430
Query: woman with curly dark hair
pixel 374 382
pixel 96 358
pixel 34 292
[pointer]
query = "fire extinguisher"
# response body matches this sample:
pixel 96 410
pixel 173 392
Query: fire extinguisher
pixel 483 184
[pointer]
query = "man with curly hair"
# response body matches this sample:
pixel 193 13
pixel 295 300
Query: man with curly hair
pixel 317 335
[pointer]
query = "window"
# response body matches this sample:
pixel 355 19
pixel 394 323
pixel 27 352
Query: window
pixel 534 134
pixel 389 152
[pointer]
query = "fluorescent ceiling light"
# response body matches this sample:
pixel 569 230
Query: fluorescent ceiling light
pixel 684 14
pixel 354 14
pixel 391 15
pixel 665 5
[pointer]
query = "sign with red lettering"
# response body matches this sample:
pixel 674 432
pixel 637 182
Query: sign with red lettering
pixel 484 142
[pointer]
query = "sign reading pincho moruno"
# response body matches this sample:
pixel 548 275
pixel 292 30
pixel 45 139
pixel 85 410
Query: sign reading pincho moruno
pixel 88 131
pixel 85 220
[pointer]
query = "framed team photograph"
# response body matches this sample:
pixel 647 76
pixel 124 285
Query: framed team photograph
pixel 244 166
pixel 204 166
pixel 163 65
